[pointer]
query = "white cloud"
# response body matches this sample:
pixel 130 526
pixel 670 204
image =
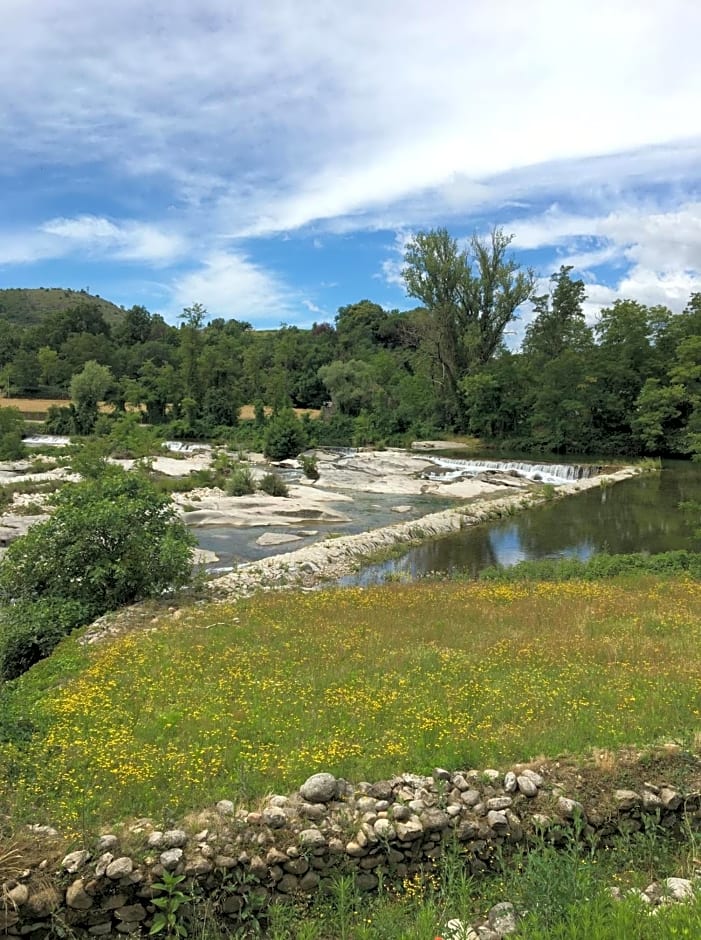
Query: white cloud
pixel 129 241
pixel 231 285
pixel 273 119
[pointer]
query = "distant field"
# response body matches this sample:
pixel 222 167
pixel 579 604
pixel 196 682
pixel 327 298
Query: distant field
pixel 38 407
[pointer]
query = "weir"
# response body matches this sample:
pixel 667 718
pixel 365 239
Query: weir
pixel 453 469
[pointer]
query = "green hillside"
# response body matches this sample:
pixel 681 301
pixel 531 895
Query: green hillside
pixel 29 306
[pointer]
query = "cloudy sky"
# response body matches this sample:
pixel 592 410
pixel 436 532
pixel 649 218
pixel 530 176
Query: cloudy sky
pixel 270 158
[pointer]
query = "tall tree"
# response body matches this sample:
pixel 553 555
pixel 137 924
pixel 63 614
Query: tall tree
pixel 470 297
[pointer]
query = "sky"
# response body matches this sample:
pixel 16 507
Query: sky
pixel 270 159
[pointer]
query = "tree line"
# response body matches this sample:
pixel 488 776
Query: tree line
pixel 629 384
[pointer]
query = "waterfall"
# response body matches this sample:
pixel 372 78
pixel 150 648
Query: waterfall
pixel 542 472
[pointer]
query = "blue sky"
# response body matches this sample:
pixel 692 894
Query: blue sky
pixel 270 158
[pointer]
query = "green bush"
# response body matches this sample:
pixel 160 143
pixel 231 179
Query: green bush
pixel 273 485
pixel 241 482
pixel 310 466
pixel 11 431
pixel 30 631
pixel 112 539
pixel 285 436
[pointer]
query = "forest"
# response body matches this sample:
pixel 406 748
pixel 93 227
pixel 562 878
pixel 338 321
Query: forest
pixel 629 384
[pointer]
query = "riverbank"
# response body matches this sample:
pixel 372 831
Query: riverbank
pixel 317 564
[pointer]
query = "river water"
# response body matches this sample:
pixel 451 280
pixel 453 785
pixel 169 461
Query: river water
pixel 638 515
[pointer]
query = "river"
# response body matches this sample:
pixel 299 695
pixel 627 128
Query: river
pixel 638 515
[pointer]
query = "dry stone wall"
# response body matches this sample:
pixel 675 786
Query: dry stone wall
pixel 243 860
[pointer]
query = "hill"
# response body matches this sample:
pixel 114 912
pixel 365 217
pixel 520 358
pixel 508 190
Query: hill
pixel 29 306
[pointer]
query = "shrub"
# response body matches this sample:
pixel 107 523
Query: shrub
pixel 30 631
pixel 113 539
pixel 241 482
pixel 274 485
pixel 11 431
pixel 310 467
pixel 284 436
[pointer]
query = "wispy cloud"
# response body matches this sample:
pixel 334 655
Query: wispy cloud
pixel 231 285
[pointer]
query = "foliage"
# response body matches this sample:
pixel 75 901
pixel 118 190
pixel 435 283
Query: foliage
pixel 111 540
pixel 273 485
pixel 11 432
pixel 240 482
pixel 31 630
pixel 88 389
pixel 310 466
pixel 168 919
pixel 284 436
pixel 598 566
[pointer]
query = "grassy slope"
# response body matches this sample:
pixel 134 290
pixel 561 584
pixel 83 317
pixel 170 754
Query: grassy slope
pixel 235 700
pixel 28 306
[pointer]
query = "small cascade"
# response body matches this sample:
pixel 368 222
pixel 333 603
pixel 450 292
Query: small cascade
pixel 540 472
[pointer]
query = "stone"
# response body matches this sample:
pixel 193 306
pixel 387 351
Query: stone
pixel 497 821
pixel 533 776
pixel 19 895
pixel 671 800
pixel 471 797
pixel 400 812
pixel 313 811
pixel 274 817
pixel 100 930
pixel 510 783
pixel 296 866
pixel 120 867
pixel 111 904
pixel 355 849
pixel 288 884
pixel 491 774
pixel 439 773
pixel 170 859
pixel 526 786
pixel 384 829
pixel 225 808
pixel 503 919
pixel 155 840
pixel 679 889
pixel 75 860
pixel 312 839
pixel 131 913
pixel 102 863
pixel 499 802
pixel 570 808
pixel 626 799
pixel 410 830
pixel 434 820
pixel 319 788
pixel 309 882
pixel 174 839
pixel 77 897
pixel 651 801
pixel 106 843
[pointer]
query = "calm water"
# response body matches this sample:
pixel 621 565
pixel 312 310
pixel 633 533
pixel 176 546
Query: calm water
pixel 638 515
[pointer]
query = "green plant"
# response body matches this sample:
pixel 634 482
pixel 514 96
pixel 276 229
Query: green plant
pixel 112 539
pixel 310 466
pixel 548 491
pixel 285 436
pixel 273 485
pixel 31 630
pixel 241 482
pixel 168 919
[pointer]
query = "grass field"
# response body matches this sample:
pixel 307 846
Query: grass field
pixel 40 406
pixel 237 700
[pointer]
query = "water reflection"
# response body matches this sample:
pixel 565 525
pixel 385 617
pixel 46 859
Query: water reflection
pixel 638 515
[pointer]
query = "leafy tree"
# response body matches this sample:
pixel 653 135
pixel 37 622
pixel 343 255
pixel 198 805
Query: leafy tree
pixel 470 297
pixel 88 389
pixel 559 323
pixel 350 384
